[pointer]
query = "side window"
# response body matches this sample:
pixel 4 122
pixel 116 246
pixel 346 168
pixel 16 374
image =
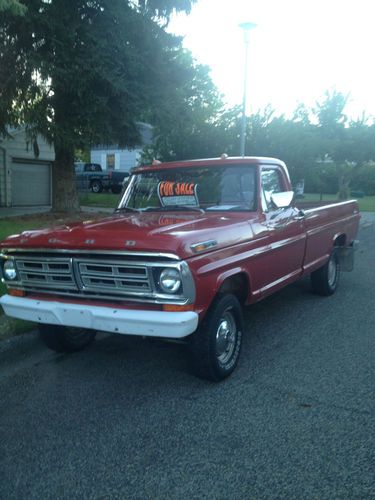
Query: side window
pixel 238 189
pixel 271 183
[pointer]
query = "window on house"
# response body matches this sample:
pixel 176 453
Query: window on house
pixel 110 161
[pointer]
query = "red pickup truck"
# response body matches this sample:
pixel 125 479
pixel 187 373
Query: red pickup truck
pixel 189 245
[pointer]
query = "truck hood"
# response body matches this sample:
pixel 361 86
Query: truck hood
pixel 143 232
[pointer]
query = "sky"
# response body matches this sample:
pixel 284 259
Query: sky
pixel 298 50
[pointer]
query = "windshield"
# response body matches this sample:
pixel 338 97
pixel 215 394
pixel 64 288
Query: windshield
pixel 231 187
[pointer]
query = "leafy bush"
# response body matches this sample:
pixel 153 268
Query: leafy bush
pixel 364 179
pixel 319 178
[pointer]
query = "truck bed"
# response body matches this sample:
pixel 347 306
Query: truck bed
pixel 306 205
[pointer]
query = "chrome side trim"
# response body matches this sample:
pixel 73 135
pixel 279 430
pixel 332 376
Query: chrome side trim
pixel 280 280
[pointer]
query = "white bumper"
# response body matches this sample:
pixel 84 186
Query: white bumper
pixel 130 322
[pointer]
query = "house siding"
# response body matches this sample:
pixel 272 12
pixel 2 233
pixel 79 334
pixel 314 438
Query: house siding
pixel 125 159
pixel 18 147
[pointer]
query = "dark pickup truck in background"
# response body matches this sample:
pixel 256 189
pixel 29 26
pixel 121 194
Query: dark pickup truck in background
pixel 90 176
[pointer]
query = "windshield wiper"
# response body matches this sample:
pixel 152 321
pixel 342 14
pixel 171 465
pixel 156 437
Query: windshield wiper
pixel 126 209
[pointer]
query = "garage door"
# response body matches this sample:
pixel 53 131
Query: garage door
pixel 31 184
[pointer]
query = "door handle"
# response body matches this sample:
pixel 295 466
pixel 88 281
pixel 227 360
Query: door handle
pixel 276 227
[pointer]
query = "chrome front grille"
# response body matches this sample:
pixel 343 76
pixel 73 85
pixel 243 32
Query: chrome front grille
pixel 115 276
pixel 46 273
pixel 85 275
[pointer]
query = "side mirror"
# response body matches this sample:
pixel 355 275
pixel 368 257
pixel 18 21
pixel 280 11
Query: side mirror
pixel 282 200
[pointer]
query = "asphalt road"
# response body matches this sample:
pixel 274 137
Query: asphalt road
pixel 125 419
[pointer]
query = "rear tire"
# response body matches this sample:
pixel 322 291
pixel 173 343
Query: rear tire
pixel 66 339
pixel 325 280
pixel 215 346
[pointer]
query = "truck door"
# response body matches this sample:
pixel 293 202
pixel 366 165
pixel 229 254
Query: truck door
pixel 285 233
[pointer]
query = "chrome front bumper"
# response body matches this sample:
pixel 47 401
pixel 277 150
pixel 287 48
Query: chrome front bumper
pixel 108 319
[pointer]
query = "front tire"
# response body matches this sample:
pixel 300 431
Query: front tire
pixel 66 339
pixel 96 187
pixel 325 280
pixel 216 345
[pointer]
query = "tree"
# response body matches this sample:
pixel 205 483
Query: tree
pixel 350 144
pixel 13 6
pixel 83 72
pixel 187 127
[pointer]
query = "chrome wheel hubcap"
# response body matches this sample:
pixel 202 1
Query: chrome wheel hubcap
pixel 332 272
pixel 226 337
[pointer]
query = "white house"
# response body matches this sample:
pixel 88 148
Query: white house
pixel 24 179
pixel 112 157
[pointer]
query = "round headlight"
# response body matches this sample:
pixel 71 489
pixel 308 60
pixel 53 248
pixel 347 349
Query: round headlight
pixel 10 272
pixel 170 280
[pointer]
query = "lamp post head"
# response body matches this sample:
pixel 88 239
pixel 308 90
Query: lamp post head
pixel 247 26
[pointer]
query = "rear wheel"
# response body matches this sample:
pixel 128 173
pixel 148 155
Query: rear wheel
pixel 66 339
pixel 325 280
pixel 215 346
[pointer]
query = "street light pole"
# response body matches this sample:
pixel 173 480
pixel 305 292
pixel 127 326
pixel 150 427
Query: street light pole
pixel 246 30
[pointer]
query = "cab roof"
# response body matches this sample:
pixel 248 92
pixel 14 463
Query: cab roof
pixel 259 160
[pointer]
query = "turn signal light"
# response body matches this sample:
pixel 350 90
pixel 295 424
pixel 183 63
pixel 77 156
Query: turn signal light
pixel 16 293
pixel 177 308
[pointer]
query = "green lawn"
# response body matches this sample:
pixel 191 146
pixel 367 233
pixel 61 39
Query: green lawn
pixel 106 200
pixel 366 204
pixel 16 225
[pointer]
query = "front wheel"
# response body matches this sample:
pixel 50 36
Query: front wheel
pixel 215 346
pixel 325 280
pixel 96 187
pixel 66 339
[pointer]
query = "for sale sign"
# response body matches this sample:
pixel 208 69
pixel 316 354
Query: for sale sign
pixel 178 193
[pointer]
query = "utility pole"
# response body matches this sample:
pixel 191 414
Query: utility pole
pixel 246 27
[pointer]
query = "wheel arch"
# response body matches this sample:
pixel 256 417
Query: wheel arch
pixel 236 282
pixel 339 240
pixel 95 179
